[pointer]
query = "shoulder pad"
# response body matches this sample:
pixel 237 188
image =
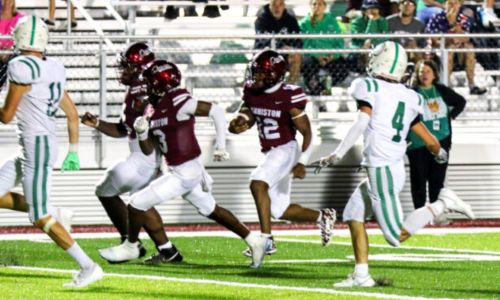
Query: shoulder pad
pixel 23 70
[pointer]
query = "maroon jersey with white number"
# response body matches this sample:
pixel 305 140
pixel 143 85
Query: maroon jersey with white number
pixel 133 106
pixel 174 132
pixel 272 112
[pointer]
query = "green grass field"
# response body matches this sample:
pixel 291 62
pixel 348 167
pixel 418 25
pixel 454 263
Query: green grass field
pixel 430 266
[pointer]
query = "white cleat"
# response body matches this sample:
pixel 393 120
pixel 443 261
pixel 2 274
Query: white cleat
pixel 258 245
pixel 86 277
pixel 454 204
pixel 66 218
pixel 355 281
pixel 122 253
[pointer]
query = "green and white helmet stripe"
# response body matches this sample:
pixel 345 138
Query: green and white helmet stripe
pixel 388 60
pixel 32 34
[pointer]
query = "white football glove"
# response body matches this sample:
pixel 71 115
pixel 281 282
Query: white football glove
pixel 141 127
pixel 441 157
pixel 325 161
pixel 221 155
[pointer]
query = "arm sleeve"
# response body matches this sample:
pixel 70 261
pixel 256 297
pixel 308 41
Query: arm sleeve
pixel 217 114
pixel 353 134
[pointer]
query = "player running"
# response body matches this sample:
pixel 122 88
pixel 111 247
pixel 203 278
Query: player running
pixel 36 92
pixel 387 111
pixel 169 124
pixel 137 170
pixel 278 110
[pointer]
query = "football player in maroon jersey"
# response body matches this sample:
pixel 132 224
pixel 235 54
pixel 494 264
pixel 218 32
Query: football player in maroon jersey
pixel 138 169
pixel 278 110
pixel 168 123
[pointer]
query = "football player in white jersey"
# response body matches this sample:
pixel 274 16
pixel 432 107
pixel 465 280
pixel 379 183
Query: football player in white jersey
pixel 36 91
pixel 387 111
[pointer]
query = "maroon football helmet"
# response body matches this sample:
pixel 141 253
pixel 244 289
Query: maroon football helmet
pixel 162 76
pixel 137 58
pixel 266 69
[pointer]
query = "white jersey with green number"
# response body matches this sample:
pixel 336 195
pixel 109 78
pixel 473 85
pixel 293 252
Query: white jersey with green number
pixel 394 108
pixel 37 109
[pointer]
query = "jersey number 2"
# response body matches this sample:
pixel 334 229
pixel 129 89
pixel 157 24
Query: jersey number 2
pixel 268 129
pixel 397 121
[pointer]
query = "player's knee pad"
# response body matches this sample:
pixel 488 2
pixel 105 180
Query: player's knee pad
pixel 45 223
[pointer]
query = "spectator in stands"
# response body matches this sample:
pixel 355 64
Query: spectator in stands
pixel 441 105
pixel 405 22
pixel 274 18
pixel 210 11
pixel 387 7
pixel 51 21
pixel 9 16
pixel 428 8
pixel 488 14
pixel 333 64
pixel 370 22
pixel 457 18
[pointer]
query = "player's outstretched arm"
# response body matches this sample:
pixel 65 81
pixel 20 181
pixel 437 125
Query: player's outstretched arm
pixel 72 161
pixel 216 113
pixel 116 130
pixel 303 125
pixel 14 95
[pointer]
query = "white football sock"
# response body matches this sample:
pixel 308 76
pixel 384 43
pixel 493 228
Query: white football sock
pixel 361 270
pixel 81 257
pixel 168 245
pixel 418 219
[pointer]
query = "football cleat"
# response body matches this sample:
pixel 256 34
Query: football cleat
pixel 270 249
pixel 122 253
pixel 164 256
pixel 86 277
pixel 356 281
pixel 454 204
pixel 142 249
pixel 258 245
pixel 328 218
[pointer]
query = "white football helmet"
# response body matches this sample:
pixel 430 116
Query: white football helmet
pixel 32 34
pixel 388 60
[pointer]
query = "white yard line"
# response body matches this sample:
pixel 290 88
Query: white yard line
pixel 225 233
pixel 238 284
pixel 389 246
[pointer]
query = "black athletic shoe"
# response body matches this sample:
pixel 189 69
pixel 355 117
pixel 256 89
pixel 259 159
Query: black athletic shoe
pixel 165 256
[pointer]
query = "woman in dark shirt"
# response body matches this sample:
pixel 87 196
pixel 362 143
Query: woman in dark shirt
pixel 441 105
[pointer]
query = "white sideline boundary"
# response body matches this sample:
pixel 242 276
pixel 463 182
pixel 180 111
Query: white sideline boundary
pixel 226 233
pixel 238 284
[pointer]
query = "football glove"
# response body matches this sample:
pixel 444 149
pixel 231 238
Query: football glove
pixel 221 155
pixel 325 161
pixel 71 162
pixel 141 127
pixel 441 157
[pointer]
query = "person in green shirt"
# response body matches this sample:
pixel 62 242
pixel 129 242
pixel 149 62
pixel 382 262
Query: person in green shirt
pixel 441 105
pixel 370 22
pixel 428 8
pixel 318 21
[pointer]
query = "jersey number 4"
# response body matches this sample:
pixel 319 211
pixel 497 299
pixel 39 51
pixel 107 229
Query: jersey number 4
pixel 397 121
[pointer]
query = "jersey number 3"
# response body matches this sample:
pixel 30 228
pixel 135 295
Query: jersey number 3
pixel 397 121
